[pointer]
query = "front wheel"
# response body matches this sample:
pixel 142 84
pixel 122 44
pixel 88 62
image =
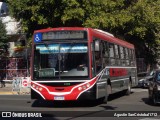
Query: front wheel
pixel 154 100
pixel 149 95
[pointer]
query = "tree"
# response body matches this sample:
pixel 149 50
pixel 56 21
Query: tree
pixel 137 21
pixel 143 29
pixel 3 39
pixel 54 13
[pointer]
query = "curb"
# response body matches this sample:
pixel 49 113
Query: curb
pixel 6 93
pixel 14 93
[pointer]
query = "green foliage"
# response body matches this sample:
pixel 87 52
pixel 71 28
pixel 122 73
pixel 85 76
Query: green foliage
pixel 144 28
pixel 3 38
pixel 137 21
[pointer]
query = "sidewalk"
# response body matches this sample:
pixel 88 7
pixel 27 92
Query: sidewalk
pixel 7 90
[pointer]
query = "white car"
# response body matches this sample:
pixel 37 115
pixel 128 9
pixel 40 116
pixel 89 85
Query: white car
pixel 144 82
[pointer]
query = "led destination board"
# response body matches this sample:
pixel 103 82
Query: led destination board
pixel 56 35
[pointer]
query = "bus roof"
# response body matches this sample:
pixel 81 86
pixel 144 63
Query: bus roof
pixel 95 32
pixel 110 38
pixel 61 28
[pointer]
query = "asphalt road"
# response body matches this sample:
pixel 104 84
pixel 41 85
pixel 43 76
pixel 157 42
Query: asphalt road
pixel 126 107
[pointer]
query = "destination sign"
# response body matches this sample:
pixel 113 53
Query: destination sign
pixel 56 35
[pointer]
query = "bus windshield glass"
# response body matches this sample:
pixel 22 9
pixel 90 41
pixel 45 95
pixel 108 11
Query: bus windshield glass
pixel 60 60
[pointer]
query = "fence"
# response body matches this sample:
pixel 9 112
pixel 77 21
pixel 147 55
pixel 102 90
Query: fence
pixel 14 67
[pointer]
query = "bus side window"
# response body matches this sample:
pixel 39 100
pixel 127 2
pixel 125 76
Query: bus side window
pixel 98 55
pixel 127 57
pixel 134 63
pixel 98 61
pixel 130 56
pixel 122 56
pixel 112 54
pixel 105 54
pixel 117 55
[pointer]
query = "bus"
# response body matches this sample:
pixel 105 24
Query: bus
pixel 76 63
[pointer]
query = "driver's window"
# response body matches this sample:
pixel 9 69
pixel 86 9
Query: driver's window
pixel 98 61
pixel 158 77
pixel 97 56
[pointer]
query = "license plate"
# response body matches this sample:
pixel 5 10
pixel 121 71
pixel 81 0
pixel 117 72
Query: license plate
pixel 58 97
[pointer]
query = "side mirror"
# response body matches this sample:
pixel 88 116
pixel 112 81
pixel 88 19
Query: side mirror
pixel 97 45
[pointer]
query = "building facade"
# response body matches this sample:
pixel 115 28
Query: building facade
pixel 16 61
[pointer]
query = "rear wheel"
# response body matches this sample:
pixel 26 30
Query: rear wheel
pixel 108 91
pixel 128 92
pixel 149 95
pixel 105 99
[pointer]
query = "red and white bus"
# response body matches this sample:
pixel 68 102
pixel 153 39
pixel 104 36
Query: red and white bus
pixel 75 63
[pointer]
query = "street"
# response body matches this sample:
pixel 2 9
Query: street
pixel 137 103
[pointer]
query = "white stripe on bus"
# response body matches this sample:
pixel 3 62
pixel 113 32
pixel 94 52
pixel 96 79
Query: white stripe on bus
pixel 100 76
pixel 121 79
pixel 64 93
pixel 85 90
pixel 101 83
pixel 69 81
pixel 118 67
pixel 61 81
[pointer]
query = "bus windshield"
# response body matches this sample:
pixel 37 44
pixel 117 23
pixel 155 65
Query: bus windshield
pixel 60 60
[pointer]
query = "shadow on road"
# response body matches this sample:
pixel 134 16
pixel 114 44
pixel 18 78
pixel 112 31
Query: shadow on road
pixel 149 102
pixel 68 104
pixel 117 95
pixel 74 113
pixel 65 104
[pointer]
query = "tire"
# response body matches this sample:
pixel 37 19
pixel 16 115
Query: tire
pixel 105 99
pixel 149 95
pixel 108 91
pixel 154 101
pixel 150 101
pixel 128 92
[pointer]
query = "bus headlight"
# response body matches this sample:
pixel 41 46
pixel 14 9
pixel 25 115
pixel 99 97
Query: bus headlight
pixel 84 87
pixel 80 88
pixel 40 88
pixel 33 85
pixel 88 85
pixel 36 87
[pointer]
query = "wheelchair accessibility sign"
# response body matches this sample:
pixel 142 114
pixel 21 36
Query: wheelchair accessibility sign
pixel 38 37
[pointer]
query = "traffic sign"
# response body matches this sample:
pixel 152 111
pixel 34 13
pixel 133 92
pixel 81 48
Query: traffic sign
pixel 38 37
pixel 25 84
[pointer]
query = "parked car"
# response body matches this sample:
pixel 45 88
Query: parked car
pixel 142 75
pixel 154 88
pixel 144 81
